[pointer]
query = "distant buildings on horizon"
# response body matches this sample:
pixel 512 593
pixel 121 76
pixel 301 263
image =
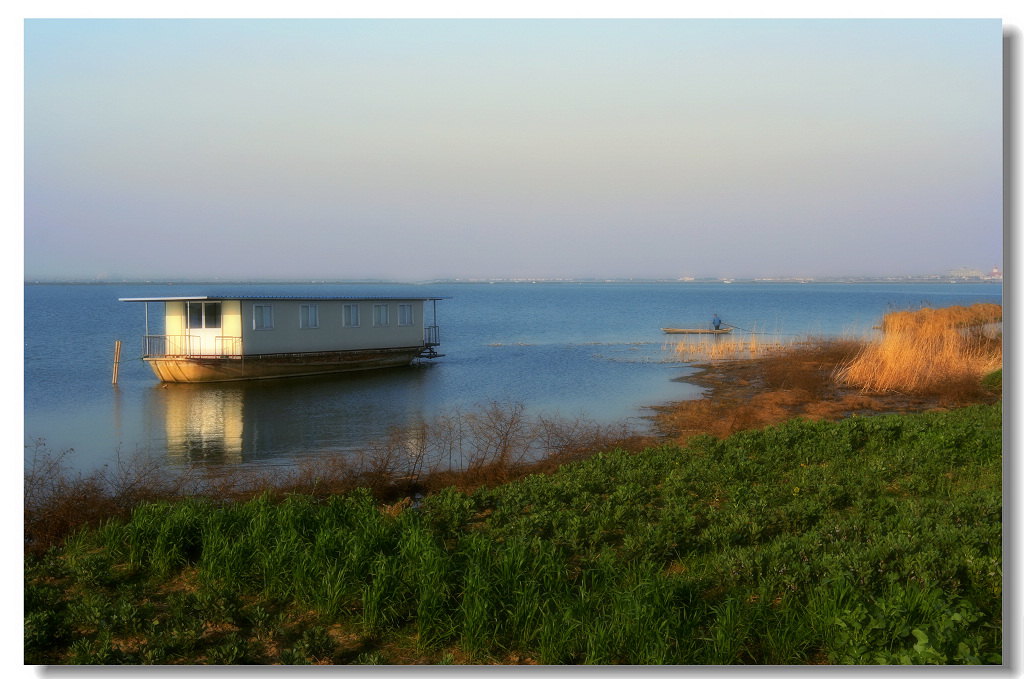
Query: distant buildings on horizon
pixel 961 275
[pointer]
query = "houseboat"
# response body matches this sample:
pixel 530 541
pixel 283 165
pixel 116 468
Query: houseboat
pixel 224 339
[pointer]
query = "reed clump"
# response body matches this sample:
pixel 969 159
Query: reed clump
pixel 726 347
pixel 929 350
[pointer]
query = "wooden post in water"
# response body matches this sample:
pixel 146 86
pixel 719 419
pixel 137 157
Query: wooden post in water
pixel 117 358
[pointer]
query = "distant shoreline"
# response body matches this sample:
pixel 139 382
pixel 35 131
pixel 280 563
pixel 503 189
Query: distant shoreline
pixel 547 281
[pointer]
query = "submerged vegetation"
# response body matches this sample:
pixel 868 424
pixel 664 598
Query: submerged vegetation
pixel 706 347
pixel 770 541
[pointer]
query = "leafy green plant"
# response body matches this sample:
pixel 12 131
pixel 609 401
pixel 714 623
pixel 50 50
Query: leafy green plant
pixel 447 512
pixel 371 658
pixel 993 381
pixel 231 650
pixel 869 540
pixel 316 644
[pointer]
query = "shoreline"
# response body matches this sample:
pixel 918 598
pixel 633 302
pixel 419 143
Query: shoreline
pixel 745 394
pixel 739 395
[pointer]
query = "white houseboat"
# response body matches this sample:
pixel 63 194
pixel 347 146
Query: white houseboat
pixel 221 339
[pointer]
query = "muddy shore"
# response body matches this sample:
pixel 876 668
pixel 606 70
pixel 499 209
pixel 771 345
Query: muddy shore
pixel 753 393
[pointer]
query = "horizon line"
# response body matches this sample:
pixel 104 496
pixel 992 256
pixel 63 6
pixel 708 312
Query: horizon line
pixel 950 276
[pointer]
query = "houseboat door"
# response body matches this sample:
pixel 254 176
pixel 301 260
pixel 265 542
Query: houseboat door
pixel 204 328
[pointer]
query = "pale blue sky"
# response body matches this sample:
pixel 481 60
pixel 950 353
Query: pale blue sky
pixel 418 149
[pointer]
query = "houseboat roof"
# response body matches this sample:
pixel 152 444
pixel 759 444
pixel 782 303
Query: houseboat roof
pixel 195 298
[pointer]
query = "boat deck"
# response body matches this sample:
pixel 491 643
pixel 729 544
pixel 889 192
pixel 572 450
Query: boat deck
pixel 696 331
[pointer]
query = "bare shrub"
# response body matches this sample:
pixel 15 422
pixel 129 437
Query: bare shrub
pixel 322 477
pixel 233 484
pixel 137 478
pixel 500 439
pixel 491 444
pixel 384 462
pixel 59 500
pixel 564 440
pixel 444 439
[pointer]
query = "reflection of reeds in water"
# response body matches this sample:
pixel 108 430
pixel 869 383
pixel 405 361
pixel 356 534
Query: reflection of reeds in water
pixel 726 347
pixel 919 350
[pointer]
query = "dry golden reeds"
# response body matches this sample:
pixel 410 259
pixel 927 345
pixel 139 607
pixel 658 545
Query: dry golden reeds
pixel 930 319
pixel 929 349
pixel 721 347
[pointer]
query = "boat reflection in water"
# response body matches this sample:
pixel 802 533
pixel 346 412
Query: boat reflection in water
pixel 203 424
pixel 279 422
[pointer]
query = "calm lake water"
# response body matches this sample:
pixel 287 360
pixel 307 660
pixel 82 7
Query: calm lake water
pixel 590 349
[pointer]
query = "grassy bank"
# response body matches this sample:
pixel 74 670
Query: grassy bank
pixel 860 541
pixel 738 535
pixel 490 445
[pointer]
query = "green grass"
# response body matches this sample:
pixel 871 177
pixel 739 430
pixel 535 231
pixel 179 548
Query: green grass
pixel 869 540
pixel 993 381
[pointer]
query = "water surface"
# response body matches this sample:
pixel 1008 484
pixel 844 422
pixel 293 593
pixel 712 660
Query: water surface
pixel 594 350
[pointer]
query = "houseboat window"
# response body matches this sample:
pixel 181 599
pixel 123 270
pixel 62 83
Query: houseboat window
pixel 203 315
pixel 211 310
pixel 380 315
pixel 351 316
pixel 308 316
pixel 263 316
pixel 405 314
pixel 195 315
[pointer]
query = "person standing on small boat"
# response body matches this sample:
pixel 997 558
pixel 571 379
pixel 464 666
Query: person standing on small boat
pixel 717 322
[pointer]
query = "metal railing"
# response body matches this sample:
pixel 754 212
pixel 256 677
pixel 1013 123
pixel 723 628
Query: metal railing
pixel 431 336
pixel 158 346
pixel 227 345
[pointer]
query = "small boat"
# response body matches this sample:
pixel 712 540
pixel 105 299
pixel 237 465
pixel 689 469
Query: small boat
pixel 696 331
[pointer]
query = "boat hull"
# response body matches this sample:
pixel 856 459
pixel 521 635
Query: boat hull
pixel 273 366
pixel 696 331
